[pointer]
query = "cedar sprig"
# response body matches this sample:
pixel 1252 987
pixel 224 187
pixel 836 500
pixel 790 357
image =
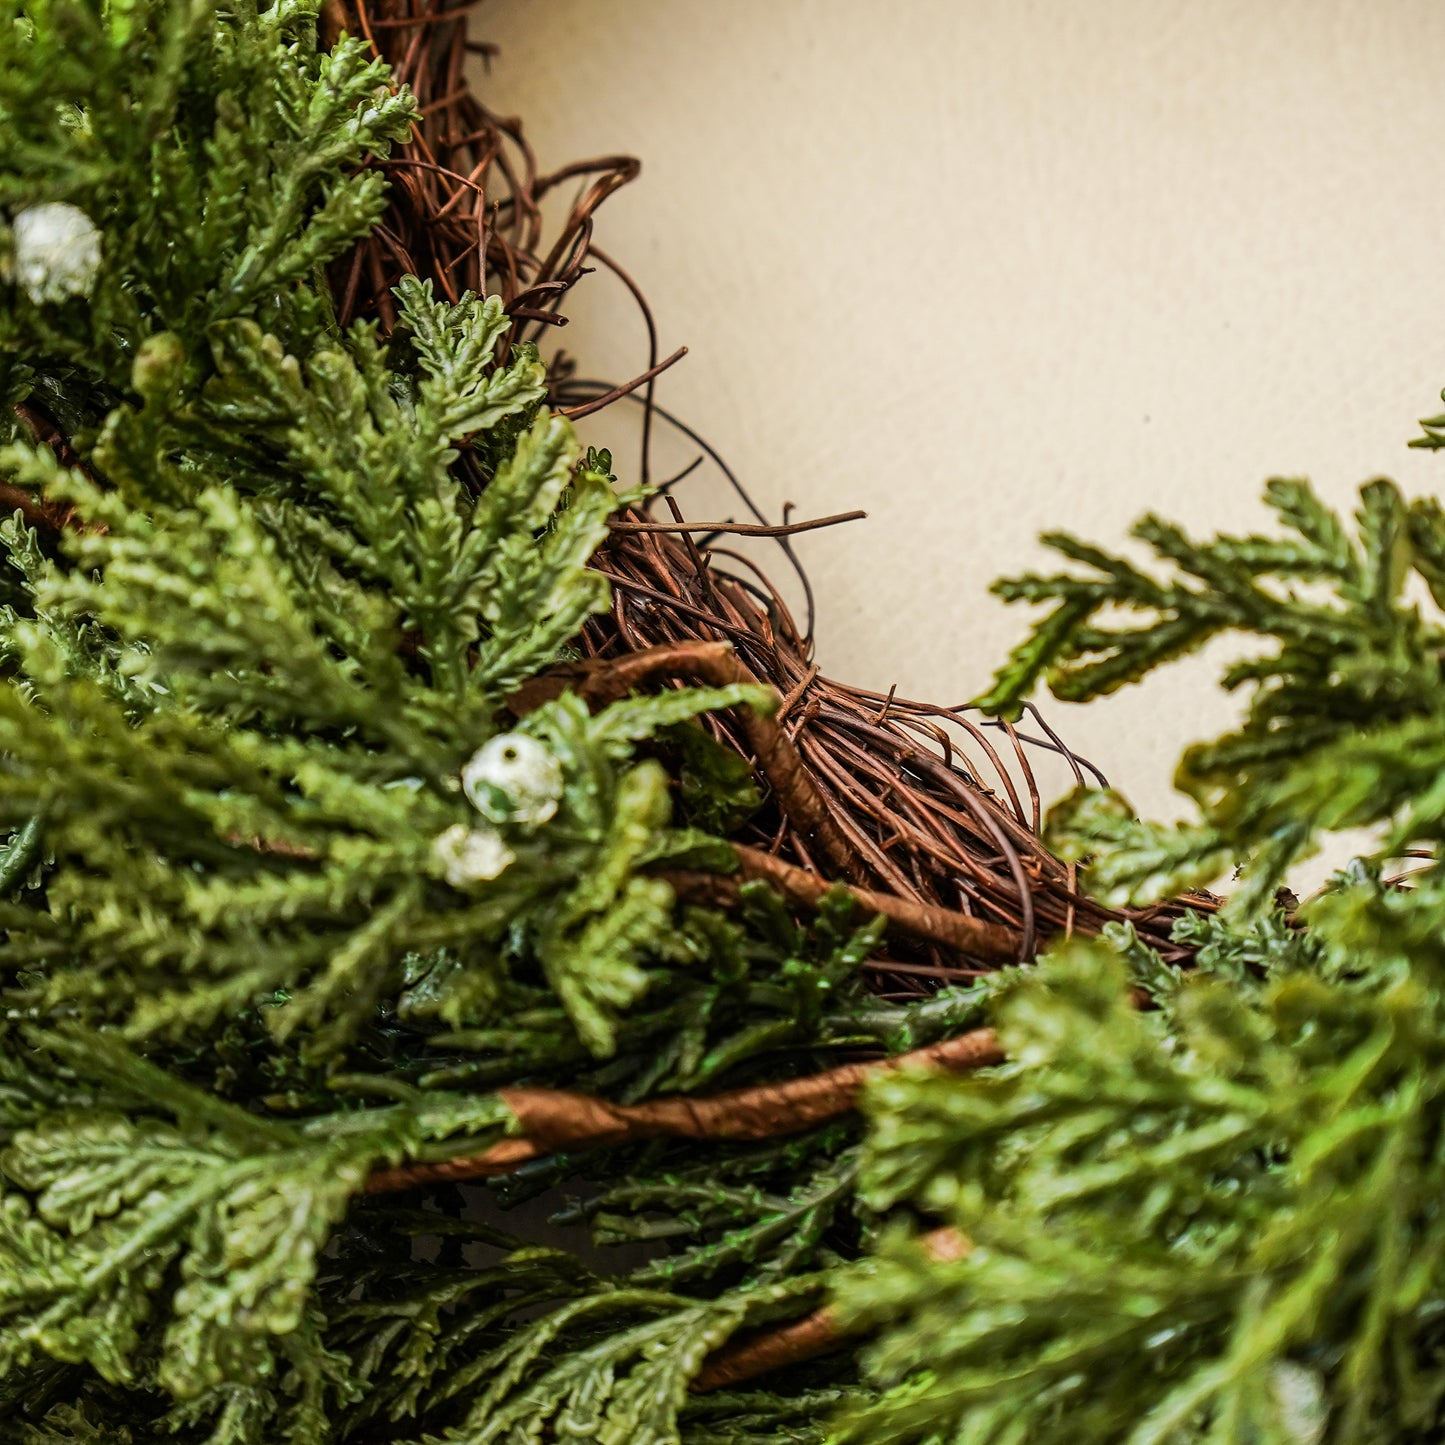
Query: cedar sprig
pixel 1345 694
pixel 1200 1205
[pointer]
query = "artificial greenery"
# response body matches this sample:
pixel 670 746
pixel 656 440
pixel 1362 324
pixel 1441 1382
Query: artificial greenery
pixel 1204 1205
pixel 290 891
pixel 296 891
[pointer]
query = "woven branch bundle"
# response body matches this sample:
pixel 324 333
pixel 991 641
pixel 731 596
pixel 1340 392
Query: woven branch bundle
pixel 909 802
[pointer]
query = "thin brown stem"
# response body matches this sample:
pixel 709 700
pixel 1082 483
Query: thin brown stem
pixel 576 413
pixel 991 942
pixel 742 529
pixel 815 1334
pixel 552 1119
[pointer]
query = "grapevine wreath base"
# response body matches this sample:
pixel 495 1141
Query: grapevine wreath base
pixel 927 819
pixel 280 970
pixel 468 977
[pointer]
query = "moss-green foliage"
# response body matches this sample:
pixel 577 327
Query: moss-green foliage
pixel 245 689
pixel 1215 1218
pixel 215 142
pixel 1343 727
pixel 269 921
pixel 189 1243
pixel 607 1360
pixel 133 1177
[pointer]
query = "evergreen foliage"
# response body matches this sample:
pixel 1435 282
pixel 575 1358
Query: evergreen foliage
pixel 246 686
pixel 1216 1217
pixel 293 895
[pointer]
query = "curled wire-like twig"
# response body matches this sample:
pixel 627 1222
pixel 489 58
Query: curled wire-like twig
pixel 466 191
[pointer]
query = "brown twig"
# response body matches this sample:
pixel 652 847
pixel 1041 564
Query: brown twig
pixel 742 529
pixel 800 1340
pixel 576 413
pixel 552 1119
pixel 818 1333
pixel 717 663
pixel 971 936
pixel 38 517
pixel 41 515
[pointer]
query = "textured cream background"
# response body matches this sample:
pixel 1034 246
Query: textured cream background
pixel 989 266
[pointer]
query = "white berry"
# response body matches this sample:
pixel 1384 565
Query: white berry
pixel 57 251
pixel 513 779
pixel 471 855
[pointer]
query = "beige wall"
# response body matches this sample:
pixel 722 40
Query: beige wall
pixel 989 266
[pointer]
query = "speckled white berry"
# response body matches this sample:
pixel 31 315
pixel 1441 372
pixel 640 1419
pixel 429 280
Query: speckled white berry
pixel 513 779
pixel 471 855
pixel 56 252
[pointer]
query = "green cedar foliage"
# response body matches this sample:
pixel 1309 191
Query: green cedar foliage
pixel 289 894
pixel 246 685
pixel 1215 1218
pixel 1344 720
